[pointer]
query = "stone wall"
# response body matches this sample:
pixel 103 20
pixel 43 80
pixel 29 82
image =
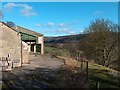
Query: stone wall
pixel 11 44
pixel 70 62
pixel 25 53
pixel 41 41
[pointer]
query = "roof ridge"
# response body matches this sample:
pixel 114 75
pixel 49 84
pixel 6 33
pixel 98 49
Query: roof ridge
pixel 25 30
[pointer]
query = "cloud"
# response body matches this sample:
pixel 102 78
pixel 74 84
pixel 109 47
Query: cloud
pixel 50 31
pixel 8 6
pixel 50 24
pixel 59 31
pixel 98 13
pixel 65 28
pixel 68 24
pixel 61 25
pixel 25 9
pixel 73 23
pixel 65 31
pixel 81 31
pixel 37 25
pixel 47 25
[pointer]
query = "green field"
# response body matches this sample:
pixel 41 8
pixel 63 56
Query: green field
pixel 106 77
pixel 56 51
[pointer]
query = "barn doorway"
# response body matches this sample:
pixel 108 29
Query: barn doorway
pixel 38 48
pixel 32 47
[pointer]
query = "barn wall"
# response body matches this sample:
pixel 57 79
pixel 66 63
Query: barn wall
pixel 41 41
pixel 0 40
pixel 25 55
pixel 11 44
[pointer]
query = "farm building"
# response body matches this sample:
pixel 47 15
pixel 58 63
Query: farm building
pixel 16 44
pixel 33 39
pixel 10 47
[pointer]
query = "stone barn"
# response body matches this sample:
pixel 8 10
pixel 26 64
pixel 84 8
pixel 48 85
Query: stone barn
pixel 10 47
pixel 16 44
pixel 34 40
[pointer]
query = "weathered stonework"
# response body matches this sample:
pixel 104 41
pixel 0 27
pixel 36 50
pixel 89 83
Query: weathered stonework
pixel 25 54
pixel 11 45
pixel 14 50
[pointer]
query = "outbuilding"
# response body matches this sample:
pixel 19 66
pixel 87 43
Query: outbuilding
pixel 15 45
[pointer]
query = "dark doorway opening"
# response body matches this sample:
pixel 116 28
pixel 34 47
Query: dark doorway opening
pixel 38 48
pixel 32 48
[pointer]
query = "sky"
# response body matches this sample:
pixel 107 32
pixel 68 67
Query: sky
pixel 58 18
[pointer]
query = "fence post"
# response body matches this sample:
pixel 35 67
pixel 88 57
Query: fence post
pixel 81 65
pixel 81 62
pixel 97 86
pixel 86 71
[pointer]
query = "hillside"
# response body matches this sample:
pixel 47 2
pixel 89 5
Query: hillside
pixel 64 39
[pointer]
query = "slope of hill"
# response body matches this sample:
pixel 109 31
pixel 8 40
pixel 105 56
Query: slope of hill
pixel 64 39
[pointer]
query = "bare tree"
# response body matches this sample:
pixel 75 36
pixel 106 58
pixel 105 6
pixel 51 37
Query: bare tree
pixel 101 42
pixel 10 24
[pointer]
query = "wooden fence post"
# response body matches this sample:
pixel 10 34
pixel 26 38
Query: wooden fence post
pixel 86 71
pixel 81 62
pixel 81 65
pixel 97 86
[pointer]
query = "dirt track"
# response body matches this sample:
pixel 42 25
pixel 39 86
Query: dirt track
pixel 17 78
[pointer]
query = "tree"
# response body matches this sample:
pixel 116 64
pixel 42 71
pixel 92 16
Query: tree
pixel 101 42
pixel 10 24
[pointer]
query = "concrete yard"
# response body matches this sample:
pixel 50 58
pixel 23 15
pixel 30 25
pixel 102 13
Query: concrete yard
pixel 41 63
